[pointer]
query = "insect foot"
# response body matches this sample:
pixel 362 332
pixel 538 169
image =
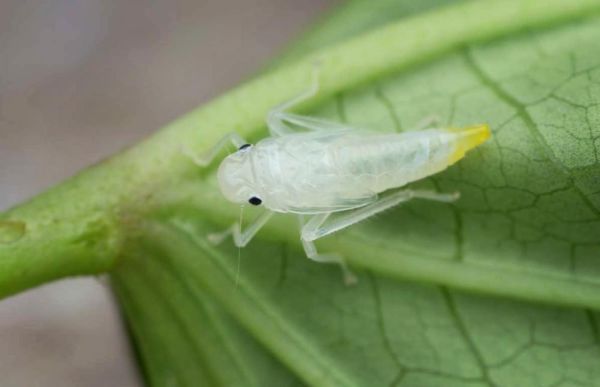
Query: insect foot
pixel 349 278
pixel 216 238
pixel 454 196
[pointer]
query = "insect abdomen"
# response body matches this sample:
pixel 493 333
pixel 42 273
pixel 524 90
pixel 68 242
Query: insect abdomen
pixel 388 161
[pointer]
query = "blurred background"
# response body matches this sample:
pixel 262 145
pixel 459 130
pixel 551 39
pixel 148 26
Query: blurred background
pixel 79 80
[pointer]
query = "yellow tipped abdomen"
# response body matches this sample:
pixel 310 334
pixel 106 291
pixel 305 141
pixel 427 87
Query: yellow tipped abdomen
pixel 468 138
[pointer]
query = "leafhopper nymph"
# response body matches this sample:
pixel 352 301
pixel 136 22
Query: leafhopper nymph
pixel 317 168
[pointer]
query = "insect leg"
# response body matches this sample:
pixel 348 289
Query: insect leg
pixel 206 158
pixel 323 224
pixel 311 123
pixel 432 121
pixel 241 238
pixel 306 94
pixel 436 196
pixel 278 119
pixel 311 250
pixel 313 231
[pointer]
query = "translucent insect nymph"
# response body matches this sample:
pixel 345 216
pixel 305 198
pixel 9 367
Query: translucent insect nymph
pixel 325 168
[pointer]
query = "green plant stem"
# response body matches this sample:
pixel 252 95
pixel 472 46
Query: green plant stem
pixel 79 227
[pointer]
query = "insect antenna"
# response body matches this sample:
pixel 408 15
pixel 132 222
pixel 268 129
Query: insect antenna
pixel 239 260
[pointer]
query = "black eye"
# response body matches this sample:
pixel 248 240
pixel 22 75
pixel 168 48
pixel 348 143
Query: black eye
pixel 254 201
pixel 244 146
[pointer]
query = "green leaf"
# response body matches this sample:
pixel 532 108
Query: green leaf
pixel 378 333
pixel 500 289
pixel 506 236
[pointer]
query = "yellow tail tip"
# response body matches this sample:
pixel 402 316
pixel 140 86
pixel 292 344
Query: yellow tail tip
pixel 473 136
pixel 470 137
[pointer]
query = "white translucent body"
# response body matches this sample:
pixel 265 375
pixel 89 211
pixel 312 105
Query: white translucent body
pixel 332 172
pixel 329 171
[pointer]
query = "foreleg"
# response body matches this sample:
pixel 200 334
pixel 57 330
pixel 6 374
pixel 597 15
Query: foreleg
pixel 241 238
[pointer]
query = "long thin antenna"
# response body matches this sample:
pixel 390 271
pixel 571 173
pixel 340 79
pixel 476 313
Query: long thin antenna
pixel 239 260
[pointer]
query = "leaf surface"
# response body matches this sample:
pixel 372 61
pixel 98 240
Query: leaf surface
pixel 499 289
pixel 522 244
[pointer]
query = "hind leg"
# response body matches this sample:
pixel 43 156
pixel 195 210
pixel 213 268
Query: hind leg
pixel 311 251
pixel 320 225
pixel 323 224
pixel 429 122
